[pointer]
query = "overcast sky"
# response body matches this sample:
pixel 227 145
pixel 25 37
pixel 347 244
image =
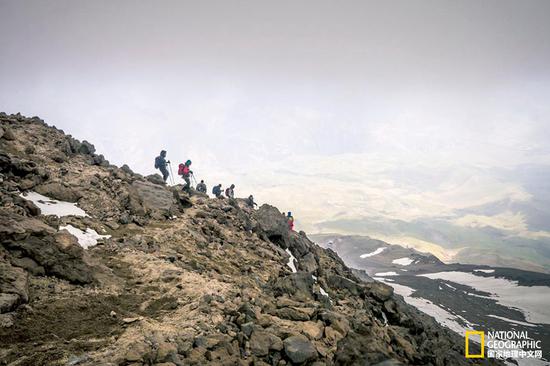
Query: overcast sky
pixel 256 92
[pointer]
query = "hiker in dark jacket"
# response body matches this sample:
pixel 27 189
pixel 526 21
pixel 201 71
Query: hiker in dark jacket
pixel 229 192
pixel 201 187
pixel 250 201
pixel 160 164
pixel 217 191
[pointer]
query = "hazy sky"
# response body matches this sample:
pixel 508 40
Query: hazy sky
pixel 258 92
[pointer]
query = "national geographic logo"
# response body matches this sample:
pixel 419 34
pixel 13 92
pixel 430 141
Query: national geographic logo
pixel 503 344
pixel 479 333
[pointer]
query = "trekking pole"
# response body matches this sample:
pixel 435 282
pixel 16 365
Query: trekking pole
pixel 193 176
pixel 171 173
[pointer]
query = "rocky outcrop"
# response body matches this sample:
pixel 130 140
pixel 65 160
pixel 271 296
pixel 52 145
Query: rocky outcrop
pixel 38 248
pixel 183 280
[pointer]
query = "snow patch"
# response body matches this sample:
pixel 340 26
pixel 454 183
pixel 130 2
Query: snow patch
pixel 382 279
pixel 446 284
pixel 531 301
pixel 484 270
pixel 377 251
pixel 516 322
pixel 452 321
pixel 386 274
pixel 50 206
pixel 86 238
pixel 405 261
pixel 291 261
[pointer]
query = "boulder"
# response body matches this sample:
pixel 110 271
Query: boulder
pixel 271 222
pixel 58 191
pixel 166 351
pixel 299 349
pixel 156 198
pixel 125 168
pixel 298 286
pixel 314 330
pixel 340 282
pixel 299 244
pixel 29 206
pixel 86 148
pixel 74 144
pixel 13 287
pixel 29 265
pixel 8 134
pixel 155 179
pixel 14 227
pixel 291 314
pixel 64 147
pixel 261 342
pixel 352 350
pixel 99 160
pixel 307 263
pixel 336 321
pixel 380 290
pixel 59 254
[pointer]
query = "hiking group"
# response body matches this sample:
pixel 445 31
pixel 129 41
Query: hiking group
pixel 184 170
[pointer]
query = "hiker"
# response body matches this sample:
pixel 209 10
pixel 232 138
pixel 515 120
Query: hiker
pixel 160 164
pixel 290 219
pixel 250 201
pixel 201 187
pixel 217 191
pixel 185 172
pixel 229 192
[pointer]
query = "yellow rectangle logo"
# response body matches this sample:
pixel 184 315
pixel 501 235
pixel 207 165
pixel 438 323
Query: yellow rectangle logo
pixel 481 334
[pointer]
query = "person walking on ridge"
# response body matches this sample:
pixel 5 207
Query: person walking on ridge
pixel 160 164
pixel 185 172
pixel 250 201
pixel 290 219
pixel 201 187
pixel 229 192
pixel 217 191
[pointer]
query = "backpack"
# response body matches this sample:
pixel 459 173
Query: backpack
pixel 157 163
pixel 183 169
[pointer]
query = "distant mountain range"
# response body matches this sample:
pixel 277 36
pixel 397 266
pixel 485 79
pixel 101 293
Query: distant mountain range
pixel 498 217
pixel 459 296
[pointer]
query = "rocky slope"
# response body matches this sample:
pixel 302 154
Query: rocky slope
pixel 181 280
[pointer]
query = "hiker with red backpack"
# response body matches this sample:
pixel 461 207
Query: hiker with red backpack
pixel 290 219
pixel 185 172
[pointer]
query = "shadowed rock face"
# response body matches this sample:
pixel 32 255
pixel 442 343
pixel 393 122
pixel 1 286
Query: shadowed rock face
pixel 184 280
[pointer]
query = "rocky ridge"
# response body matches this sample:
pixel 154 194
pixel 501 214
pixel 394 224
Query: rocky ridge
pixel 181 280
